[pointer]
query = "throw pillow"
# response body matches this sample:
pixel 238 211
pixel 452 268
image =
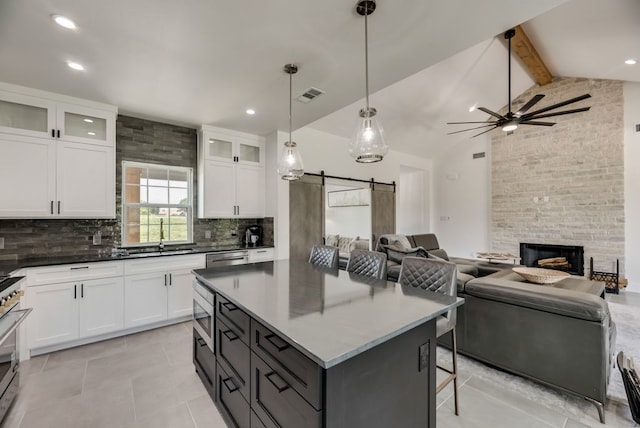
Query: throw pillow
pixel 332 240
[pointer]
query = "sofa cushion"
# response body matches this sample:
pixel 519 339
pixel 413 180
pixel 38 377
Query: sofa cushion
pixel 509 287
pixel 439 252
pixel 468 269
pixel 461 281
pixel 428 241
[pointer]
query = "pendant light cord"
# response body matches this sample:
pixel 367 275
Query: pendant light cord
pixel 290 92
pixel 509 71
pixel 366 52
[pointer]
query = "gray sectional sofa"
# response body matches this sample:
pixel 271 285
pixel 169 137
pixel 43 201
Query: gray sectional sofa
pixel 560 335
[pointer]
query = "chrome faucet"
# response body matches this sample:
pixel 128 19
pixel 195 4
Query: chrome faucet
pixel 161 245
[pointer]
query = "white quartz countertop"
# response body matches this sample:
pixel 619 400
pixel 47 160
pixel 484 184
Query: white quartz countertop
pixel 328 316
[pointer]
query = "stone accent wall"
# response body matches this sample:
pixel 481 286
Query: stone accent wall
pixel 578 164
pixel 136 140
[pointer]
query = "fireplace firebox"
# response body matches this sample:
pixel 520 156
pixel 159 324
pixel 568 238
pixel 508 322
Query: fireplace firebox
pixel 568 258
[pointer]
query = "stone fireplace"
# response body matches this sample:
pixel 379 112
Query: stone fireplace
pixel 531 254
pixel 564 184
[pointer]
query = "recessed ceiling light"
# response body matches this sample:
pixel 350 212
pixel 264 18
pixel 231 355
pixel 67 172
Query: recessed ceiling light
pixel 250 111
pixel 75 65
pixel 631 61
pixel 88 120
pixel 472 108
pixel 65 22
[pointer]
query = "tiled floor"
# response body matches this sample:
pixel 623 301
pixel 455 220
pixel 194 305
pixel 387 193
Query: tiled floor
pixel 147 380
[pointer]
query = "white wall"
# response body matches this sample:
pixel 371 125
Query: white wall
pixel 462 191
pixel 414 196
pixel 632 183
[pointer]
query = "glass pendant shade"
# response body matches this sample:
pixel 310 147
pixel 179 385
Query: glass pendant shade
pixel 290 165
pixel 368 144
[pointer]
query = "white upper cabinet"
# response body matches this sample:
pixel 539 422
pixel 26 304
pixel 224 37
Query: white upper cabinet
pixel 58 158
pixel 230 174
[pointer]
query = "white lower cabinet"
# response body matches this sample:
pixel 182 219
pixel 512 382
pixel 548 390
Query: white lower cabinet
pixel 145 298
pixel 73 303
pixel 74 310
pixel 159 289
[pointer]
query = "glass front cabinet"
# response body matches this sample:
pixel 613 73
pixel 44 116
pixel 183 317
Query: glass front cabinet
pixel 230 174
pixel 58 155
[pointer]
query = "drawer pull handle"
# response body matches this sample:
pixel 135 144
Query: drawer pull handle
pixel 79 267
pixel 273 339
pixel 280 388
pixel 201 342
pixel 230 306
pixel 230 335
pixel 228 381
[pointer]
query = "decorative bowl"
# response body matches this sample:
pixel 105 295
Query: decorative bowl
pixel 540 275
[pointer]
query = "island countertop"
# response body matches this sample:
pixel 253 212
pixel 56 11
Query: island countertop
pixel 330 316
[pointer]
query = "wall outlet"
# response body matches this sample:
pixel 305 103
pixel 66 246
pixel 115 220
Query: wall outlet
pixel 1 243
pixel 545 199
pixel 536 199
pixel 207 234
pixel 97 238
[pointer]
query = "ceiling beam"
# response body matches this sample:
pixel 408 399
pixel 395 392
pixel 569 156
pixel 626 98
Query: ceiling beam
pixel 523 47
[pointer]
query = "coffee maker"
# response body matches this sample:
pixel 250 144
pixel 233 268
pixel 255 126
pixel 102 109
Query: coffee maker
pixel 253 236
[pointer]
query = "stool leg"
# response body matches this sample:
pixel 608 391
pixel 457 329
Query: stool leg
pixel 455 369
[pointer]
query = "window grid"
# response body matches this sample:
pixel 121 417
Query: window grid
pixel 170 189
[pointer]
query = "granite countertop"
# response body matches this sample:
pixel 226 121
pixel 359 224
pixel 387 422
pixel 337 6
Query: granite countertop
pixel 328 316
pixel 8 266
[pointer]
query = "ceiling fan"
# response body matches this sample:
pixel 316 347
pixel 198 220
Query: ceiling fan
pixel 510 121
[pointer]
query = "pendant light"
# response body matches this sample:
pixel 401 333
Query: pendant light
pixel 368 143
pixel 290 165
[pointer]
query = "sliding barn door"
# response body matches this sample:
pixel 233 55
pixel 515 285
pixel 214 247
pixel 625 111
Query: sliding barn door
pixel 306 216
pixel 383 211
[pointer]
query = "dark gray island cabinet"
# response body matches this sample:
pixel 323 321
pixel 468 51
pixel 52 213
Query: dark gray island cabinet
pixel 300 347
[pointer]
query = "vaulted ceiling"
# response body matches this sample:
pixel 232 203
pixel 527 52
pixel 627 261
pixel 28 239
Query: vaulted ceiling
pixel 196 61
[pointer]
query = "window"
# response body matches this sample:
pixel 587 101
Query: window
pixel 156 204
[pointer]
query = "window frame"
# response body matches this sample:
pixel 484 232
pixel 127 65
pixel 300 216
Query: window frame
pixel 188 207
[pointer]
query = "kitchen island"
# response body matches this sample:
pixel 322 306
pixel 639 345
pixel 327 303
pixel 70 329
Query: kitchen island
pixel 296 345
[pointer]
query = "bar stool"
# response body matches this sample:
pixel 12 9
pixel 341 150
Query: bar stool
pixel 436 276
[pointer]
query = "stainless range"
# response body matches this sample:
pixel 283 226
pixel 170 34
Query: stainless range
pixel 11 316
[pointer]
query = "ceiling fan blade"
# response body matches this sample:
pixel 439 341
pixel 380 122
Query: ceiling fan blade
pixel 484 132
pixel 533 122
pixel 528 105
pixel 492 113
pixel 463 123
pixel 559 113
pixel 554 106
pixel 470 129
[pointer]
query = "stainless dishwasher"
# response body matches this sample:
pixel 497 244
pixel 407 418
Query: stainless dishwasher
pixel 227 258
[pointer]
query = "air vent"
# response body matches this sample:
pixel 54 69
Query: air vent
pixel 309 95
pixel 478 155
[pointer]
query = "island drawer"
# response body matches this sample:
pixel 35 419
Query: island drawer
pixel 235 356
pixel 234 317
pixel 275 402
pixel 230 401
pixel 297 370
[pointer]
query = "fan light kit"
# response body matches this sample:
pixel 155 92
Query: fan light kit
pixel 510 121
